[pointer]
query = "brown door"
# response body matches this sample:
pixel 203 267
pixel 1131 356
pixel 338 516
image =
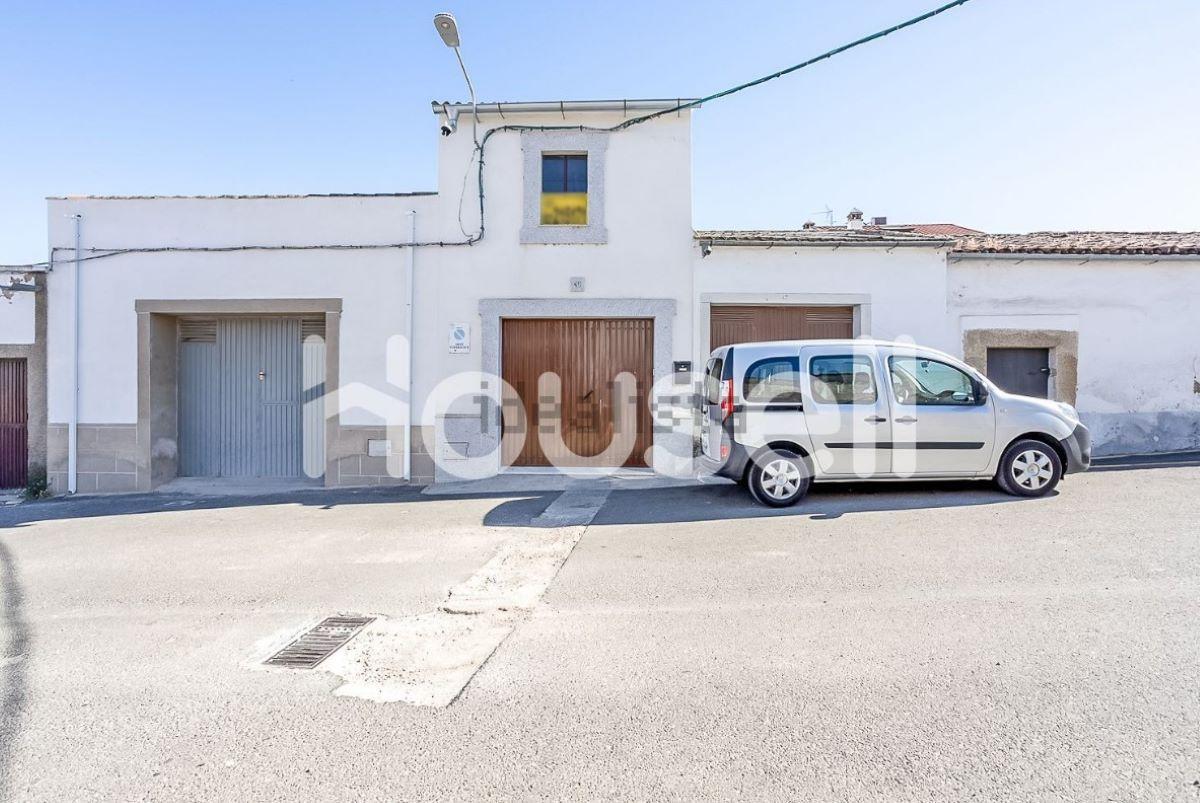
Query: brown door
pixel 14 424
pixel 587 354
pixel 747 323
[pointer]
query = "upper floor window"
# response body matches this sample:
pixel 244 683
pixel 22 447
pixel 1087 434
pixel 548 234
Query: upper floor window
pixel 564 190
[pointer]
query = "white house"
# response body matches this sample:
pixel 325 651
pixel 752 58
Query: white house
pixel 240 336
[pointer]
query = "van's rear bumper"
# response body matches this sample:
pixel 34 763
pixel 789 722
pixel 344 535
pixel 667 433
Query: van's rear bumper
pixel 732 467
pixel 1078 447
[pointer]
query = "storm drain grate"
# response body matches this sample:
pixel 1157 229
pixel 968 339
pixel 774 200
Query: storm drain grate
pixel 317 644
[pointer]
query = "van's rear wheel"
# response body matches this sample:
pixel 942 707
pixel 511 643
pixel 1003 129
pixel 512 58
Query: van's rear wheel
pixel 779 478
pixel 1029 468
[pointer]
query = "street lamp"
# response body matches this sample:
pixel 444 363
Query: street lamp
pixel 447 28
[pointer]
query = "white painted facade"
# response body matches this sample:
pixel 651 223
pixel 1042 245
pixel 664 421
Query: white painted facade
pixel 1139 339
pixel 16 319
pixel 1137 361
pixel 370 283
pixel 897 292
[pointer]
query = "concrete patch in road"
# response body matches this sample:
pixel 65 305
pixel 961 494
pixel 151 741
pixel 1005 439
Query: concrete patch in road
pixel 420 660
pixel 574 507
pixel 429 659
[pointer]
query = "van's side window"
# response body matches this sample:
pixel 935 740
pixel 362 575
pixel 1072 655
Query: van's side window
pixel 843 380
pixel 919 381
pixel 773 380
pixel 712 381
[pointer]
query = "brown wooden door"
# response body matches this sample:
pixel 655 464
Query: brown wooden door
pixel 587 354
pixel 14 424
pixel 747 323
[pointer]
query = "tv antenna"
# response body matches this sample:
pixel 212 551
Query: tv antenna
pixel 827 212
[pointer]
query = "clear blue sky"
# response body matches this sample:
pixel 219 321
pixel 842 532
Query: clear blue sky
pixel 1007 115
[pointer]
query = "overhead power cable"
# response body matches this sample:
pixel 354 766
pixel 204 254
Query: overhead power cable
pixel 104 253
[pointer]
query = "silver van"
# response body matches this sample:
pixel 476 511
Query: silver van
pixel 778 416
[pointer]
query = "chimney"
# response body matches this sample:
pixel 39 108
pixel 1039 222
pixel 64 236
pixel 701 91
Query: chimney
pixel 808 224
pixel 854 220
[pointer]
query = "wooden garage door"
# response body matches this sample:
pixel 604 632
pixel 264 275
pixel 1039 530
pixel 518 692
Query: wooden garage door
pixel 751 322
pixel 588 354
pixel 14 424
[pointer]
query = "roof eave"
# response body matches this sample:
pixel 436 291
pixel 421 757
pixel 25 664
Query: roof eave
pixel 776 243
pixel 641 105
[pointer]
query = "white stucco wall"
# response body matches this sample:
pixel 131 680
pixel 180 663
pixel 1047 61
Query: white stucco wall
pixel 1139 353
pixel 647 197
pixel 369 282
pixel 16 318
pixel 904 287
pixel 648 218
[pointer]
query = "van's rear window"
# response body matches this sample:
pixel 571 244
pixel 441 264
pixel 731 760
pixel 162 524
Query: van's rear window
pixel 773 380
pixel 712 381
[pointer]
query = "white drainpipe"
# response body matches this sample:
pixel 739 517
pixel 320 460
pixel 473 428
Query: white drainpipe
pixel 408 325
pixel 73 422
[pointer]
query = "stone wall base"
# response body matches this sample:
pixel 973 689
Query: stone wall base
pixel 109 458
pixel 1142 433
pixel 112 458
pixel 352 463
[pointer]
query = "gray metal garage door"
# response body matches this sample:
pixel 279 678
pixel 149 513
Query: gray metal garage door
pixel 240 390
pixel 1020 370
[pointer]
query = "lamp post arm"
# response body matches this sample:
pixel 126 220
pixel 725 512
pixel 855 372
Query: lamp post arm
pixel 471 91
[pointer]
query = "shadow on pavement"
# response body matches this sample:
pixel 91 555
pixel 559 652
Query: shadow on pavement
pixel 514 509
pixel 13 667
pixel 824 502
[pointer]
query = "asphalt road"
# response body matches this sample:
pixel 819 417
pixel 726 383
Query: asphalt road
pixel 876 643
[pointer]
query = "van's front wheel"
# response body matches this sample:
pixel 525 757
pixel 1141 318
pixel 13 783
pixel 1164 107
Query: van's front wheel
pixel 779 478
pixel 1029 468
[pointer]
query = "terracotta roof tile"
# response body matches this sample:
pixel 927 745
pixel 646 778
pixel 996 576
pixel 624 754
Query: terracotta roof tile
pixel 944 229
pixel 1161 243
pixel 822 235
pixel 969 241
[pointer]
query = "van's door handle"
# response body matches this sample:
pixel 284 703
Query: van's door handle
pixel 908 419
pixel 874 419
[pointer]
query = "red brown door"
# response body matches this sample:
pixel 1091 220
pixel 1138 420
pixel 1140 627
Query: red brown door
pixel 747 323
pixel 14 424
pixel 578 422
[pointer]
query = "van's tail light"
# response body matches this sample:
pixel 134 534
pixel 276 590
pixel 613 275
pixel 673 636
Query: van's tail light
pixel 726 398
